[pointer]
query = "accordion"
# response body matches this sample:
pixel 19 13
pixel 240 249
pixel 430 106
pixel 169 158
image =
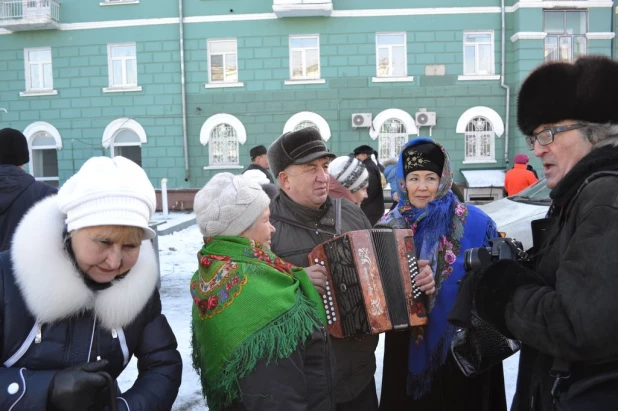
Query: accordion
pixel 370 282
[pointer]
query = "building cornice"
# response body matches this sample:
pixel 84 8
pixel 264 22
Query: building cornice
pixel 600 36
pixel 528 35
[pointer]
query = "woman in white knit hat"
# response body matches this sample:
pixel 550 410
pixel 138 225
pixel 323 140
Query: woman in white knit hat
pixel 352 175
pixel 79 296
pixel 259 341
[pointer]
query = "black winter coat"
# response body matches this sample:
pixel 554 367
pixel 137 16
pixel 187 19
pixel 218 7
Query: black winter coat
pixel 566 306
pixel 18 192
pixel 50 320
pixel 355 359
pixel 373 205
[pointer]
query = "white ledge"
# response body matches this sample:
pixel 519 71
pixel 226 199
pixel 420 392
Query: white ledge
pixel 600 36
pixel 480 162
pixel 299 82
pixel 121 89
pixel 118 3
pixel 224 85
pixel 392 79
pixel 38 93
pixel 483 77
pixel 223 167
pixel 528 35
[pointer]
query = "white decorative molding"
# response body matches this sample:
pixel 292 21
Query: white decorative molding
pixel 215 120
pixel 38 93
pixel 544 4
pixel 406 79
pixel 39 126
pixel 315 118
pixel 421 11
pixel 601 36
pixel 400 115
pixel 120 124
pixel 301 82
pixel 478 78
pixel 118 23
pixel 230 17
pixel 528 35
pixel 479 162
pixel 118 3
pixel 121 89
pixel 481 111
pixel 224 85
pixel 231 167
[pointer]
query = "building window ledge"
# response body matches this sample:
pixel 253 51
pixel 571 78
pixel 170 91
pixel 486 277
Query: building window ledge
pixel 392 79
pixel 478 77
pixel 299 82
pixel 600 36
pixel 224 85
pixel 226 167
pixel 471 161
pixel 121 89
pixel 118 3
pixel 33 93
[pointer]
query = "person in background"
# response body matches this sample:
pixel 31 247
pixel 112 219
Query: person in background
pixel 373 206
pixel 18 189
pixel 352 176
pixel 519 177
pixel 257 321
pixel 390 172
pixel 419 371
pixel 79 297
pixel 259 161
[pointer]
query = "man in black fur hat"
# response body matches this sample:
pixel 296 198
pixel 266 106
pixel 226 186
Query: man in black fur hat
pixel 562 305
pixel 259 161
pixel 373 205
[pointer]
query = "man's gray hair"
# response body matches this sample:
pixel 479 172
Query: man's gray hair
pixel 598 133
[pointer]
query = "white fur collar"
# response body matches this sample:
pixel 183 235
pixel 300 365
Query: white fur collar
pixel 54 290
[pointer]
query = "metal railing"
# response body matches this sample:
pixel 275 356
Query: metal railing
pixel 29 9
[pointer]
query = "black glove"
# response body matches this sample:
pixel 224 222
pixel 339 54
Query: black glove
pixel 76 388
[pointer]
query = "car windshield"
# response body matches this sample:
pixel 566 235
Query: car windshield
pixel 536 193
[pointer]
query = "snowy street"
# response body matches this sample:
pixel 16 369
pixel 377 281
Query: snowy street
pixel 178 263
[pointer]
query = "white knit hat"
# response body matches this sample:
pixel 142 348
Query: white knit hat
pixel 108 191
pixel 350 172
pixel 228 205
pixel 256 176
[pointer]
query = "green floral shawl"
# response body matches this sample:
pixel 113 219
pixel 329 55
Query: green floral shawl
pixel 248 305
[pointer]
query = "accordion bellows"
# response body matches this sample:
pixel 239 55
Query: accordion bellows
pixel 370 282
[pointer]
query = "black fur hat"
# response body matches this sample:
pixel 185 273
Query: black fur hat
pixel 296 147
pixel 257 151
pixel 364 149
pixel 585 90
pixel 13 147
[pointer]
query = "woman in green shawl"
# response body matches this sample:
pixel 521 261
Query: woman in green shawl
pixel 259 341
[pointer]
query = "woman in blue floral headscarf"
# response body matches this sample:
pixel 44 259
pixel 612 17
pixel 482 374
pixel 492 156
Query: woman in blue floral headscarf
pixel 419 373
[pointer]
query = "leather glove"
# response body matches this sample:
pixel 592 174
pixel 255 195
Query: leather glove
pixel 76 388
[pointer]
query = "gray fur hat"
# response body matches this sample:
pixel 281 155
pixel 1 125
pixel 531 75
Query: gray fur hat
pixel 296 147
pixel 228 205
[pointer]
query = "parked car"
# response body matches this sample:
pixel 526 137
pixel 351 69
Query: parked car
pixel 513 214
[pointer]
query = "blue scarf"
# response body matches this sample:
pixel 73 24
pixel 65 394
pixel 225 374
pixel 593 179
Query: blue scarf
pixel 442 232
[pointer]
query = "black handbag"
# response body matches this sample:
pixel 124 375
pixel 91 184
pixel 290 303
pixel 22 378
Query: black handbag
pixel 480 347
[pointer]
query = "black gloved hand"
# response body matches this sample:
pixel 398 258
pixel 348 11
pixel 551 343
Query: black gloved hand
pixel 76 388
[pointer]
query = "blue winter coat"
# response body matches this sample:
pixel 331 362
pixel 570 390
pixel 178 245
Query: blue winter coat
pixel 390 171
pixel 50 320
pixel 18 192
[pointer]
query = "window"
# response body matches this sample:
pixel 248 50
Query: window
pixel 127 143
pixel 223 145
pixel 391 56
pixel 393 136
pixel 38 70
pixel 479 137
pixel 44 162
pixel 304 57
pixel 478 53
pixel 566 34
pixel 122 64
pixel 222 61
pixel 305 124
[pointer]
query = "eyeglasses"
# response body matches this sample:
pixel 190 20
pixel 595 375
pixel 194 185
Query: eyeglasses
pixel 546 136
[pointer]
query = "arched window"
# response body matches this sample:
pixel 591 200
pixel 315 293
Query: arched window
pixel 393 136
pixel 223 133
pixel 305 124
pixel 305 119
pixel 479 140
pixel 124 137
pixel 44 142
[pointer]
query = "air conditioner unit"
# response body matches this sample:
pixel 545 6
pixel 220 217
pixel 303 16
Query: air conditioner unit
pixel 361 120
pixel 425 118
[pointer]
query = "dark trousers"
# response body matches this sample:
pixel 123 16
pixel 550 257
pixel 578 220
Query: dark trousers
pixel 367 400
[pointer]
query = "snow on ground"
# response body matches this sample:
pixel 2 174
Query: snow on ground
pixel 178 259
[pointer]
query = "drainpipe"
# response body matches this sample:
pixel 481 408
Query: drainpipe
pixel 504 86
pixel 182 87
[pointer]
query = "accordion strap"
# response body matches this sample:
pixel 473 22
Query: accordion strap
pixel 316 230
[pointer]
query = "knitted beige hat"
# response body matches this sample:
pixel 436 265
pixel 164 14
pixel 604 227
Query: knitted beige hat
pixel 228 205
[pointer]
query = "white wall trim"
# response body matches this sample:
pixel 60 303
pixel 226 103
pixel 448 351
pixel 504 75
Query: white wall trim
pixel 230 167
pixel 482 111
pixel 120 124
pixel 118 23
pixel 118 3
pixel 601 36
pixel 405 79
pixel 230 17
pixel 39 126
pixel 38 93
pixel 213 121
pixel 541 4
pixel 400 115
pixel 224 85
pixel 121 89
pixel 528 35
pixel 301 82
pixel 478 78
pixel 421 11
pixel 315 118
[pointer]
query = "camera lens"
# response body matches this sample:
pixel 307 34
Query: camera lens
pixel 471 259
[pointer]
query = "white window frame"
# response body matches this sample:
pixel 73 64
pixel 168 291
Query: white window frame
pixel 31 133
pixel 497 125
pixel 314 118
pixel 110 70
pixel 118 125
pixel 390 54
pixel 49 91
pixel 205 133
pixel 225 82
pixel 564 34
pixel 317 79
pixel 492 51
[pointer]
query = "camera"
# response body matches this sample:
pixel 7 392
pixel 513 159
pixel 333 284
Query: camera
pixel 500 249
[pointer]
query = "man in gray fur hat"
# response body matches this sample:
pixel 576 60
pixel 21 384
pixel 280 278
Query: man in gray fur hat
pixel 304 216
